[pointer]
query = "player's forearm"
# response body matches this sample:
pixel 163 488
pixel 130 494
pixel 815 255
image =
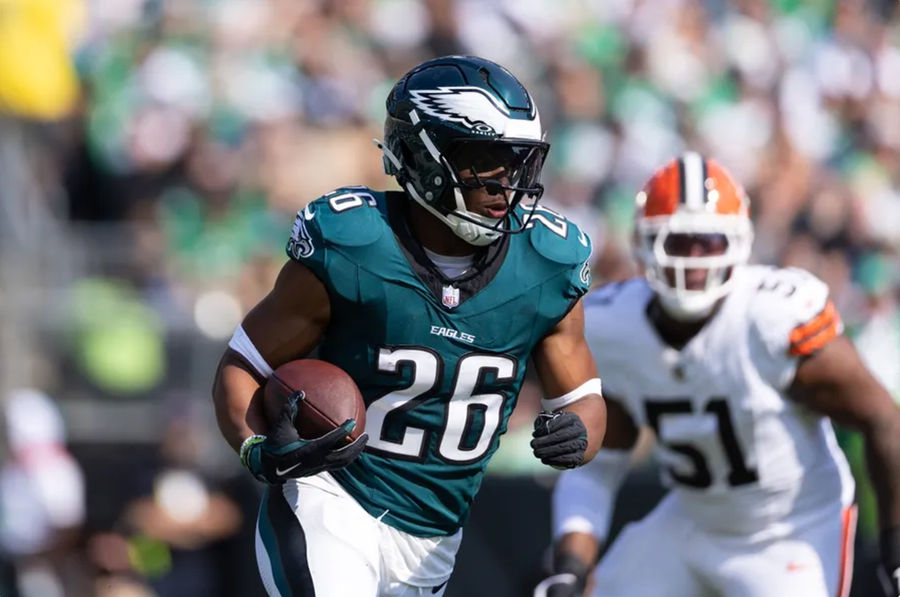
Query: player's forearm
pixel 239 413
pixel 883 460
pixel 592 411
pixel 584 547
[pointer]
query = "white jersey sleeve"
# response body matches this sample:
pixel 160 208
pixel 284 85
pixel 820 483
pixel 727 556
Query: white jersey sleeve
pixel 610 313
pixel 792 317
pixel 584 497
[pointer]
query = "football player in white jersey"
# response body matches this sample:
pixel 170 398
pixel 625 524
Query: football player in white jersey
pixel 738 369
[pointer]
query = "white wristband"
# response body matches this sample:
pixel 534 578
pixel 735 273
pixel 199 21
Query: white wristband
pixel 591 386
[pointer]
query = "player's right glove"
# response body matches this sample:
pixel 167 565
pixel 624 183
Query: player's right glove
pixel 890 561
pixel 569 580
pixel 283 455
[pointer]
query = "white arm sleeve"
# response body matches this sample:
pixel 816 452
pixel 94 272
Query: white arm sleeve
pixel 240 342
pixel 583 498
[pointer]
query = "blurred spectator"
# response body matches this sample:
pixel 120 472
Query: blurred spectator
pixel 173 532
pixel 878 335
pixel 187 515
pixel 42 503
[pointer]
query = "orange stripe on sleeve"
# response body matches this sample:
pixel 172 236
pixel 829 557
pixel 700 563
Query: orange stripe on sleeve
pixel 809 337
pixel 814 325
pixel 811 345
pixel 848 532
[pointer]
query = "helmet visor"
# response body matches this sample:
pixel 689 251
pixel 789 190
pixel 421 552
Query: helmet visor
pixel 513 165
pixel 695 245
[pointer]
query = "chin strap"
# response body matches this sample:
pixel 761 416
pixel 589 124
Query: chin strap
pixel 470 232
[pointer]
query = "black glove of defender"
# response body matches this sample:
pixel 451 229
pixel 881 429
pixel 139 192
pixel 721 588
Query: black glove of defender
pixel 569 580
pixel 890 562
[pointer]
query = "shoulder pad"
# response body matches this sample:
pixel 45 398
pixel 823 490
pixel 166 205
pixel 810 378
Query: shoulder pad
pixel 612 314
pixel 795 293
pixel 614 293
pixel 555 237
pixel 348 216
pixel 792 312
pixel 616 306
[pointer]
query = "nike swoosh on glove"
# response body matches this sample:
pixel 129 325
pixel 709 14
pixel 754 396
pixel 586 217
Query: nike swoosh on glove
pixel 283 455
pixel 560 439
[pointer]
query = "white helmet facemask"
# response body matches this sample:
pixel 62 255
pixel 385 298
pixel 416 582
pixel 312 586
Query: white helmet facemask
pixel 667 266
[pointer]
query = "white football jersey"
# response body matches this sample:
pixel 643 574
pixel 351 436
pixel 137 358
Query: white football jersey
pixel 740 456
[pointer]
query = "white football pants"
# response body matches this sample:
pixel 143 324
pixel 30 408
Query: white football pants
pixel 668 554
pixel 313 539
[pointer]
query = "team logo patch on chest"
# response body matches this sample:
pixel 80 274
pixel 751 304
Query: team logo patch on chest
pixel 450 297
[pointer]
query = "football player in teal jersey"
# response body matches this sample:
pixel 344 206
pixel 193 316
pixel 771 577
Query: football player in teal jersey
pixel 433 299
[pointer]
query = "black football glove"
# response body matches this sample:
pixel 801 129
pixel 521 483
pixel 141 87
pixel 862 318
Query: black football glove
pixel 558 585
pixel 890 561
pixel 569 580
pixel 560 439
pixel 283 455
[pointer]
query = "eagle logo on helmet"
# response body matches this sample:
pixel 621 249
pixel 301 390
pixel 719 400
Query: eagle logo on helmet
pixel 472 107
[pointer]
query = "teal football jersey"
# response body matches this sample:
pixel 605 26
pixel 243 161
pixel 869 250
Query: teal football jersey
pixel 439 362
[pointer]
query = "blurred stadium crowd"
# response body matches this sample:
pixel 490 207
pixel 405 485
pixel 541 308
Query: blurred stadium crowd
pixel 152 154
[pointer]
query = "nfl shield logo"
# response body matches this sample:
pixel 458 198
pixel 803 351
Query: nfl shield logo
pixel 450 297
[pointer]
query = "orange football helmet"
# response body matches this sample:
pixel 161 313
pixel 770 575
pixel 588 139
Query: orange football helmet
pixel 692 228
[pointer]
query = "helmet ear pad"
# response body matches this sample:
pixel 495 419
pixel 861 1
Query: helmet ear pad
pixel 431 178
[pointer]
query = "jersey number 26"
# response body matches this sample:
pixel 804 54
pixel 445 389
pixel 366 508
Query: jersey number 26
pixel 467 399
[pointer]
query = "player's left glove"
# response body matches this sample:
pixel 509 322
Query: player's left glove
pixel 890 561
pixel 560 439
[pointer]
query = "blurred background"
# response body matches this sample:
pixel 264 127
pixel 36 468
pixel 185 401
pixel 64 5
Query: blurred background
pixel 153 153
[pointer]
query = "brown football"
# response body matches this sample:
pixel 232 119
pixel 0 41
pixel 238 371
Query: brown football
pixel 332 397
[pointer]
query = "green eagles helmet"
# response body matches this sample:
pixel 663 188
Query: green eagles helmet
pixel 463 113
